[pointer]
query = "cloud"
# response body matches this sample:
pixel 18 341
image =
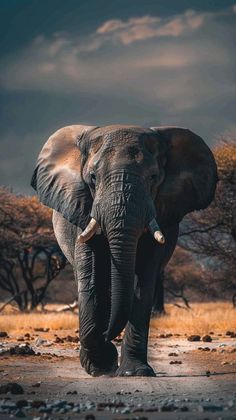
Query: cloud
pixel 146 27
pixel 177 67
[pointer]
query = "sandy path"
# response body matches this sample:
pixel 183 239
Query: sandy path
pixel 180 391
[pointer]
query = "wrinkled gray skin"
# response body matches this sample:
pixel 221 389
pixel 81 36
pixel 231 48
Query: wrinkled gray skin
pixel 126 177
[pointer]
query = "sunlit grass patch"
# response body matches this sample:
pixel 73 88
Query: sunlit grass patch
pixel 25 321
pixel 202 318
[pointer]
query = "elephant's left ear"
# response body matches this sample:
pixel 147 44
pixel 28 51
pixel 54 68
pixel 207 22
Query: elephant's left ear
pixel 57 176
pixel 190 174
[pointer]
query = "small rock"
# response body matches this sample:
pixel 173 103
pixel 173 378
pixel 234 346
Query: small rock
pixel 36 385
pixel 21 403
pixel 173 354
pixel 12 387
pixel 175 362
pixel 125 410
pixel 194 338
pixel 224 363
pixel 212 407
pixel 168 407
pixel 23 350
pixel 20 338
pixel 40 341
pixel 76 410
pixel 59 403
pixel 72 392
pixel 184 408
pixel 8 405
pixel 58 340
pixel 71 339
pixel 4 352
pixel 38 403
pixel 48 344
pixel 40 329
pixel 208 373
pixel 207 338
pixel 47 409
pixel 3 334
pixel 165 335
pixel 229 333
pixel 20 413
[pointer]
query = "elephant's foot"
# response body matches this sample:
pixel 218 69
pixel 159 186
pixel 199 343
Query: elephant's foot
pixel 134 368
pixel 102 361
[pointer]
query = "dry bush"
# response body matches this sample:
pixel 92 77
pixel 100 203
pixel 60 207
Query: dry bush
pixel 29 255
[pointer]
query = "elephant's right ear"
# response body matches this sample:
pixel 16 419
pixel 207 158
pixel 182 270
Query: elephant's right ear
pixel 57 176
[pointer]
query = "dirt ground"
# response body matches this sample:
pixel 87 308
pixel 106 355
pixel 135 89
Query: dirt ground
pixel 195 379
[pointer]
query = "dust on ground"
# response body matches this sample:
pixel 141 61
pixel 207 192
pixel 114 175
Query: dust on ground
pixel 195 379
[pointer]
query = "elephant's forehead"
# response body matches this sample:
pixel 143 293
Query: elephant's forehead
pixel 118 133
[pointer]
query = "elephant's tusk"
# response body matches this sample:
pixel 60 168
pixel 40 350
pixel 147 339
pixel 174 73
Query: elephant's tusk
pixel 159 237
pixel 90 230
pixel 156 232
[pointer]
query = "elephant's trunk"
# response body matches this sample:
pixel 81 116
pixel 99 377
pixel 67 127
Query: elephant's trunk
pixel 123 244
pixel 122 214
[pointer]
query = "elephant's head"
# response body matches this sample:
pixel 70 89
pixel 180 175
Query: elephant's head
pixel 124 178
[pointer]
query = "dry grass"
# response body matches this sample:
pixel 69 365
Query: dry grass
pixel 203 318
pixel 11 321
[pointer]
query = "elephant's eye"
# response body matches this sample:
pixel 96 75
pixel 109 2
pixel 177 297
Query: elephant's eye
pixel 92 178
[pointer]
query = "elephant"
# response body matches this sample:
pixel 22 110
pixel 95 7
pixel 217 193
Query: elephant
pixel 118 194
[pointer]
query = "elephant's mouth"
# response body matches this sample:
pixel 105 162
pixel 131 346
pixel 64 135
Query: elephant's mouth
pixel 123 217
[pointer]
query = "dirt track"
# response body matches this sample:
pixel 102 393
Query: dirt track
pixel 203 385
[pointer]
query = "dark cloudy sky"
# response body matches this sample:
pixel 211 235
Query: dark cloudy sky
pixel 99 62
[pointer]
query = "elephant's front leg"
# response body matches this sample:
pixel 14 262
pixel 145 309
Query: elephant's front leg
pixel 93 275
pixel 151 260
pixel 134 348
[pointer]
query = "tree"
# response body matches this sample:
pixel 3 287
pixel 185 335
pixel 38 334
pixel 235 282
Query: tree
pixel 212 233
pixel 29 255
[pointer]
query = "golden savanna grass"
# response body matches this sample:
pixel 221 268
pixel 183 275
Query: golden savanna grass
pixel 201 319
pixel 26 321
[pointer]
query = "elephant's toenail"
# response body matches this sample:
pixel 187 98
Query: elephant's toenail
pixel 128 373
